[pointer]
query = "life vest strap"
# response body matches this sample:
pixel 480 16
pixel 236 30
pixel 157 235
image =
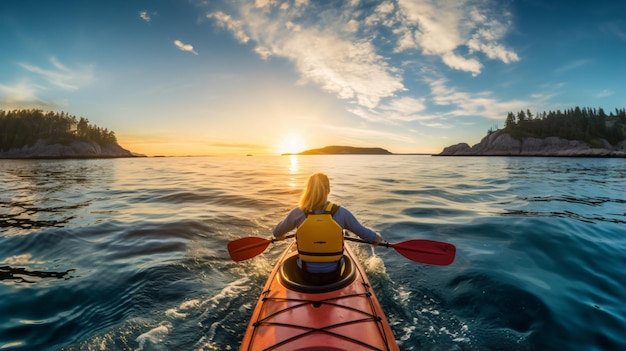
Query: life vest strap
pixel 331 209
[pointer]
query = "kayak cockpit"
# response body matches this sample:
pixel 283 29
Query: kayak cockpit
pixel 292 277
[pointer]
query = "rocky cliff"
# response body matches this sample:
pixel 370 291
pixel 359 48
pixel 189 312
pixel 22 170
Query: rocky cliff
pixel 77 149
pixel 502 144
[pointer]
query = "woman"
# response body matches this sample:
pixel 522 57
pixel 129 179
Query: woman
pixel 312 245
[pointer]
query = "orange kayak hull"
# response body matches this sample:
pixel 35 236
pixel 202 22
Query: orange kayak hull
pixel 343 315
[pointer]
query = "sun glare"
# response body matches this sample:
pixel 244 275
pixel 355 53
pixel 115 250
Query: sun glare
pixel 292 144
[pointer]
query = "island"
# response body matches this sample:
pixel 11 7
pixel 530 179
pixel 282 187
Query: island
pixel 31 134
pixel 345 150
pixel 576 132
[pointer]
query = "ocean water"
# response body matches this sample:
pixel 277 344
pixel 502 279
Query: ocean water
pixel 130 254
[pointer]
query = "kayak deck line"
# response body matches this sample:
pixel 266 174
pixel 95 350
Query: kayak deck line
pixel 292 316
pixel 323 330
pixel 369 317
pixel 319 303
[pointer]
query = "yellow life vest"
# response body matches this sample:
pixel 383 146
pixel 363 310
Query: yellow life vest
pixel 319 237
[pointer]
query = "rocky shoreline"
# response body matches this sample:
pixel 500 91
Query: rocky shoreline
pixel 76 149
pixel 502 144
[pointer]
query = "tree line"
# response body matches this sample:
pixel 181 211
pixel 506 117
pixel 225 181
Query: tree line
pixel 20 128
pixel 585 124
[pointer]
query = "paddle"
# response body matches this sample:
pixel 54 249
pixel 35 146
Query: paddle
pixel 417 250
pixel 246 248
pixel 421 250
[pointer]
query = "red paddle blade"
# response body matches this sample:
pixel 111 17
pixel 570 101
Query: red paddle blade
pixel 426 251
pixel 246 248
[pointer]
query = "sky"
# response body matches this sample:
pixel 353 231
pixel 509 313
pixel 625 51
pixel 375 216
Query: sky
pixel 202 77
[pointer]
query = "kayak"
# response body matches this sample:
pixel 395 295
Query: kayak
pixel 342 314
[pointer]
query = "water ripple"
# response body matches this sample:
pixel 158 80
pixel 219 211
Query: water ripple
pixel 131 253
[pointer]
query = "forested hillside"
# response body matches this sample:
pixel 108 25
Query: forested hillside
pixel 586 124
pixel 20 128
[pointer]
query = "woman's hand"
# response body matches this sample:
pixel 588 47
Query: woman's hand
pixel 379 239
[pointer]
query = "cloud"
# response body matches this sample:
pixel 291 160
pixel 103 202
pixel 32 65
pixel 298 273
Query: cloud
pixel 350 69
pixel 26 92
pixel 605 93
pixel 614 28
pixel 327 53
pixel 344 48
pixel 61 76
pixel 19 92
pixel 572 65
pixel 184 47
pixel 361 53
pixel 231 24
pixel 446 28
pixel 484 104
pixel 23 95
pixel 405 105
pixel 439 125
pixel 374 135
pixel 145 16
pixel 395 110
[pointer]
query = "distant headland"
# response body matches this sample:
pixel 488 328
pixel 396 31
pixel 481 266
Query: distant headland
pixel 345 150
pixel 501 143
pixel 75 149
pixel 31 134
pixel 575 133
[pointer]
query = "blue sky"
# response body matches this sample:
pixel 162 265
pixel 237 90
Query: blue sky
pixel 268 76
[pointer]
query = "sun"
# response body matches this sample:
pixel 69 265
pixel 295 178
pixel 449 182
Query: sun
pixel 292 144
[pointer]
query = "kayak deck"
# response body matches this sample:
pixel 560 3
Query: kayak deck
pixel 342 315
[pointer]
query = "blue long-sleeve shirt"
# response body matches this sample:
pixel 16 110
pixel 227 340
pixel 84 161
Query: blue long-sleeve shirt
pixel 343 217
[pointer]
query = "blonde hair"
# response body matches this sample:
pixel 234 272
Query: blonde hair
pixel 316 193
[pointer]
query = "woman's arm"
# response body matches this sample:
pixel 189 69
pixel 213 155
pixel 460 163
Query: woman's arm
pixel 348 221
pixel 289 223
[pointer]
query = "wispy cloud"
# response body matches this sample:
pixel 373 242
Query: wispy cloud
pixel 449 103
pixel 461 103
pixel 614 28
pixel 62 76
pixel 185 47
pixel 395 110
pixel 360 134
pixel 233 25
pixel 605 93
pixel 18 92
pixel 27 92
pixel 23 95
pixel 572 65
pixel 439 125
